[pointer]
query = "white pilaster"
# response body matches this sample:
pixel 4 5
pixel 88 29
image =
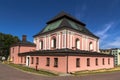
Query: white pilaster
pixel 82 42
pixel 71 40
pixel 45 42
pixel 98 45
pixel 68 41
pixel 63 41
pixel 86 42
pixel 94 45
pixel 49 42
pixel 37 44
pixel 59 40
pixel 65 33
pixel 40 45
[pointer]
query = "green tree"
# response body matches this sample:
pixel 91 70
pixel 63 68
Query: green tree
pixel 6 40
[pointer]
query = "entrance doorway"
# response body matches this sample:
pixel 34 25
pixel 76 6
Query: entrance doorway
pixel 28 61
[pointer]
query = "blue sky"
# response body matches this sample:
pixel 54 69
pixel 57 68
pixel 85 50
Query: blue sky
pixel 102 17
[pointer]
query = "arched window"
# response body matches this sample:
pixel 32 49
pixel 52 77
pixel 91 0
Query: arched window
pixel 90 46
pixel 77 43
pixel 53 43
pixel 41 44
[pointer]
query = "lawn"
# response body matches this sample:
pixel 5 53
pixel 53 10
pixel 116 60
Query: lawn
pixel 31 70
pixel 81 73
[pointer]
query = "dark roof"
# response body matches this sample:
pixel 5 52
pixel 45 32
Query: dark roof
pixel 24 43
pixel 62 15
pixel 64 20
pixel 64 52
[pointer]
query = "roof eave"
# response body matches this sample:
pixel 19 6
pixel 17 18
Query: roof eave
pixel 64 28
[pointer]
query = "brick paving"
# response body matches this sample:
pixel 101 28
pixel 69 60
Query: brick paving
pixel 8 73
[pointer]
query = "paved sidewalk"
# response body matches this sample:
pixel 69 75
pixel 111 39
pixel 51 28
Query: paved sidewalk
pixel 9 73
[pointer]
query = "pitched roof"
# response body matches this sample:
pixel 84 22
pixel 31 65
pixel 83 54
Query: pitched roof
pixel 62 15
pixel 24 43
pixel 64 52
pixel 64 20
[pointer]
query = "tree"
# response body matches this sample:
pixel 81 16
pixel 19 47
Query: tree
pixel 6 40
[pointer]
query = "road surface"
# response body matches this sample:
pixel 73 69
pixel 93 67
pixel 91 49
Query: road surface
pixel 9 73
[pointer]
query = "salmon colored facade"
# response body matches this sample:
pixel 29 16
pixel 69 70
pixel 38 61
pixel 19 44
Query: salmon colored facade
pixel 64 45
pixel 70 66
pixel 66 39
pixel 20 47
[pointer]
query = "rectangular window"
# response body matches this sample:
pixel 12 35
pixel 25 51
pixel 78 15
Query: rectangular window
pixel 12 50
pixel 77 62
pixel 48 62
pixel 55 62
pixel 42 45
pixel 96 62
pixel 21 60
pixel 103 61
pixel 12 58
pixel 88 61
pixel 108 61
pixel 24 59
pixel 37 60
pixel 32 60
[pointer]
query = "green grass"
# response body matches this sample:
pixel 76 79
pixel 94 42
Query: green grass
pixel 81 73
pixel 32 70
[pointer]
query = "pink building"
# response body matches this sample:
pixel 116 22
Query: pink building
pixel 20 47
pixel 64 45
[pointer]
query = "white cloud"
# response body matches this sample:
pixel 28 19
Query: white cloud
pixel 107 27
pixel 103 33
pixel 108 40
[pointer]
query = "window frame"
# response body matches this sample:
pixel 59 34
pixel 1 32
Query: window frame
pixel 55 62
pixel 103 61
pixel 53 42
pixel 21 59
pixel 77 43
pixel 96 61
pixel 32 60
pixel 88 62
pixel 47 61
pixel 90 46
pixel 41 44
pixel 109 61
pixel 37 60
pixel 77 62
pixel 13 50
